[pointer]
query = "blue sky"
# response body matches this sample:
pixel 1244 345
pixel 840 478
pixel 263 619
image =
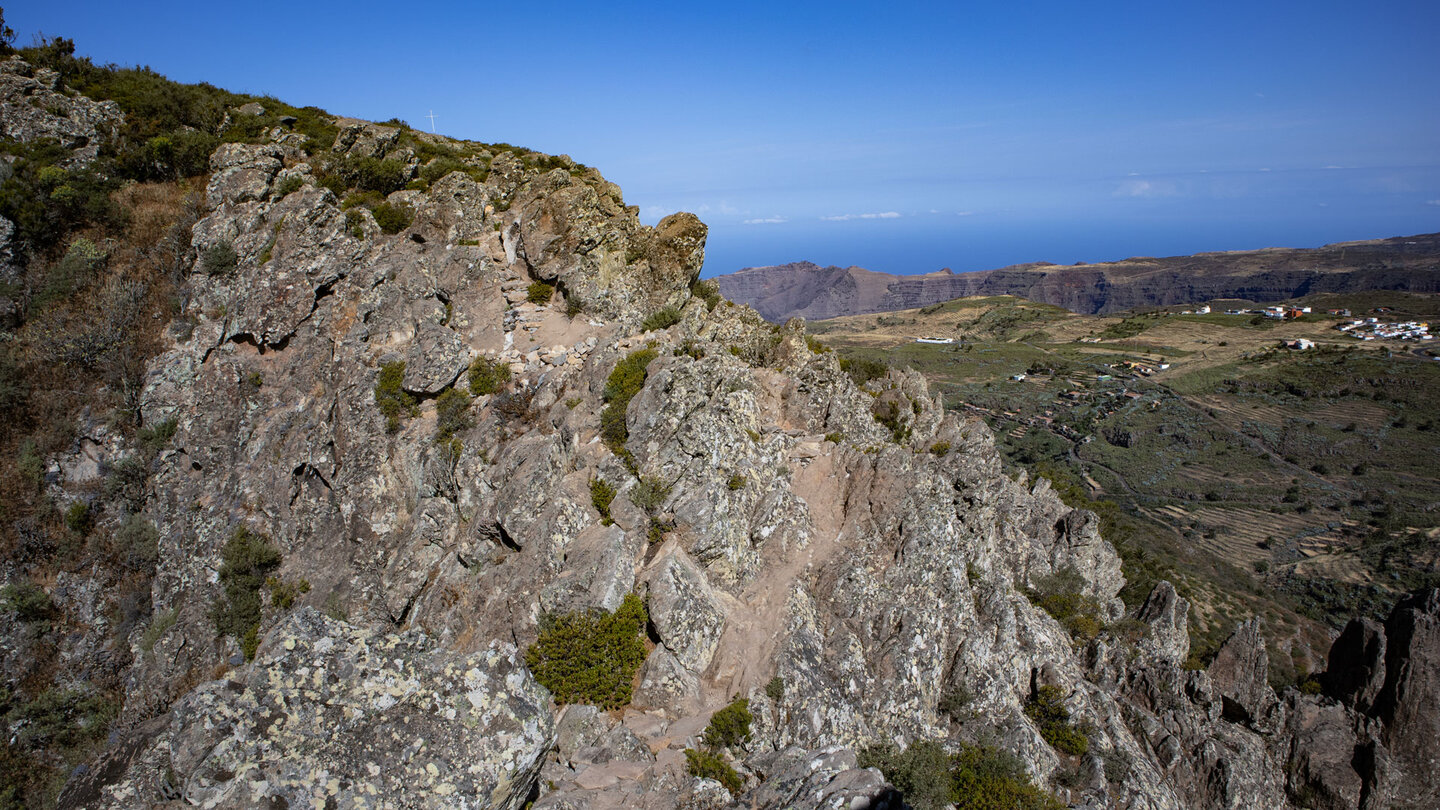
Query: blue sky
pixel 902 137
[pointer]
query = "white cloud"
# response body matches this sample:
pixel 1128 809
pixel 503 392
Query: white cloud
pixel 656 211
pixel 1432 202
pixel 848 217
pixel 964 213
pixel 766 221
pixel 1146 188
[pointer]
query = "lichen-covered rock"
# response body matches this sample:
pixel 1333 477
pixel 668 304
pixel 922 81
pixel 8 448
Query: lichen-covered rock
pixel 333 715
pixel 33 108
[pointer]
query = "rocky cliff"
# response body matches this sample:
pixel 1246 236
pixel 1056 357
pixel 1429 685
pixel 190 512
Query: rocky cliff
pixel 854 562
pixel 803 289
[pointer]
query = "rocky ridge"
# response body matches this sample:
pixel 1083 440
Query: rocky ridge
pixel 857 566
pixel 804 289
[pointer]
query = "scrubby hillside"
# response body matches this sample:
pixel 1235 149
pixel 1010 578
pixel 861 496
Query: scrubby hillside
pixel 425 436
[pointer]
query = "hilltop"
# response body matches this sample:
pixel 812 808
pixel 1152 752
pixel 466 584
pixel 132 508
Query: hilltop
pixel 804 289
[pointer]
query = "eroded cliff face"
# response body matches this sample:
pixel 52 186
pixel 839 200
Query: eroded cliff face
pixel 803 289
pixel 867 570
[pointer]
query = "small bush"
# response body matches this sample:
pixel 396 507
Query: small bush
pixel 601 495
pixel 219 259
pixel 590 656
pixel 707 291
pixel 737 481
pixel 452 414
pixel 977 777
pixel 138 543
pixel 393 218
pixel 707 765
pixel 729 726
pixel 1048 711
pixel 862 370
pixel 487 376
pixel 246 562
pixel 1060 594
pixel 154 438
pixel 539 292
pixel 394 402
pixel 815 346
pixel 775 689
pixel 79 519
pixel 31 604
pixel 624 382
pixel 835 438
pixel 940 448
pixel 159 626
pixel 290 185
pixel 649 493
pixel 355 224
pixel 283 594
pixel 665 318
pixel 953 701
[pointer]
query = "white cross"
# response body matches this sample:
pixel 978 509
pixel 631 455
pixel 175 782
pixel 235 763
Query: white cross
pixel 431 116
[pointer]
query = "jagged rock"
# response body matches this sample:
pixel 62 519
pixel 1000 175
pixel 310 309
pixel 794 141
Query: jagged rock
pixel 1356 669
pixel 331 713
pixel 1166 613
pixel 1323 755
pixel 32 108
pixel 684 612
pixel 811 780
pixel 1409 703
pixel 241 172
pixel 1240 673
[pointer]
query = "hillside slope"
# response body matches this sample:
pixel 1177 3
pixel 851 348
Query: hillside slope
pixel 804 289
pixel 402 457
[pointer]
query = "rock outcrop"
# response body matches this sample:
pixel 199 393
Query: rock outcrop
pixel 854 562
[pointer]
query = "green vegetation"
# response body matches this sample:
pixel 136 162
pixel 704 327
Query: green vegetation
pixel 710 765
pixel 452 414
pixel 977 777
pixel 30 603
pixel 393 218
pixel 219 259
pixel 246 562
pixel 661 319
pixel 940 448
pixel 284 593
pixel 1127 328
pixel 775 689
pixel 707 291
pixel 1061 595
pixel 863 369
pixel 737 481
pixel 590 656
pixel 394 402
pixel 602 495
pixel 539 292
pixel 954 701
pixel 487 376
pixel 1047 708
pixel 624 382
pixel 649 493
pixel 729 726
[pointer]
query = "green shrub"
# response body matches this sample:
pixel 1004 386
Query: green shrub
pixel 452 414
pixel 79 519
pixel 953 701
pixel 394 401
pixel 977 777
pixel 862 370
pixel 707 291
pixel 220 259
pixel 737 481
pixel 624 382
pixel 601 495
pixel 1046 707
pixel 775 689
pixel 154 438
pixel 80 265
pixel 284 593
pixel 62 718
pixel 487 376
pixel 1061 595
pixel 355 224
pixel 30 603
pixel 835 438
pixel 159 626
pixel 138 543
pixel 649 493
pixel 290 185
pixel 665 318
pixel 590 656
pixel 940 448
pixel 729 726
pixel 815 345
pixel 708 765
pixel 539 292
pixel 393 218
pixel 246 562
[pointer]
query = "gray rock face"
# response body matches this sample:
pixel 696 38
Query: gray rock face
pixel 31 108
pixel 330 714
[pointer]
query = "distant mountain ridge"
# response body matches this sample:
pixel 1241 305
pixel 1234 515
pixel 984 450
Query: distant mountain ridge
pixel 1410 263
